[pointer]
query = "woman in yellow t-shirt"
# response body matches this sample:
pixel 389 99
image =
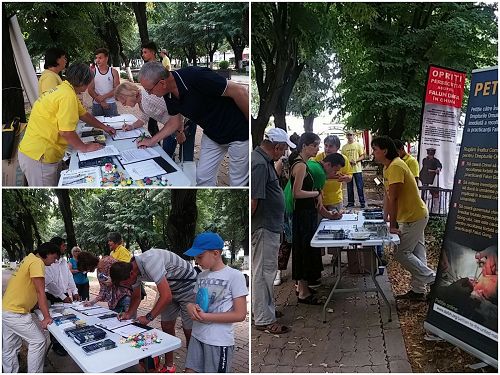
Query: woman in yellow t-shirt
pixel 52 126
pixel 407 215
pixel 55 62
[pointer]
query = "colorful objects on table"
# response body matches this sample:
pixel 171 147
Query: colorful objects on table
pixel 141 340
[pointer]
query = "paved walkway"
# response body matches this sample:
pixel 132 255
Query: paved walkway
pixel 355 338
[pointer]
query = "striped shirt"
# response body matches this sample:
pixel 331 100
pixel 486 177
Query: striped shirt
pixel 155 264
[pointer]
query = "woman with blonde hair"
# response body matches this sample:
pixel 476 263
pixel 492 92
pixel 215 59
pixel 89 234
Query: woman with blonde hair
pixel 129 94
pixel 81 279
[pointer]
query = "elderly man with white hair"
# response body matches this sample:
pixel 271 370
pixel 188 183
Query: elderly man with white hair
pixel 217 105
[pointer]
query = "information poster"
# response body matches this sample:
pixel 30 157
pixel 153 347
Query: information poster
pixel 440 119
pixel 464 309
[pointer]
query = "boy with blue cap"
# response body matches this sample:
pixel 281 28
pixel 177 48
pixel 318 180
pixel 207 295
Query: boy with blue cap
pixel 220 301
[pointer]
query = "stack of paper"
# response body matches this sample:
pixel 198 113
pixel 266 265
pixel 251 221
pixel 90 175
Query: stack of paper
pixel 137 154
pixel 106 151
pixel 142 169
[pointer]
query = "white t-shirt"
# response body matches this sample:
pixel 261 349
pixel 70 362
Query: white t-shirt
pixel 223 287
pixel 104 83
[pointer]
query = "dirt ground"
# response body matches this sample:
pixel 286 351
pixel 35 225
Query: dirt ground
pixel 424 356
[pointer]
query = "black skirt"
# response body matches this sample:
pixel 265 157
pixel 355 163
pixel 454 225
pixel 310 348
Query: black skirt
pixel 307 263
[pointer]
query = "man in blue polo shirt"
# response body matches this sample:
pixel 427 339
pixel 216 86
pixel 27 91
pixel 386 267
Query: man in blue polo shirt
pixel 217 105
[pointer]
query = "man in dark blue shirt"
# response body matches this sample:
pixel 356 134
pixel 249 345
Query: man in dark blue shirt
pixel 217 105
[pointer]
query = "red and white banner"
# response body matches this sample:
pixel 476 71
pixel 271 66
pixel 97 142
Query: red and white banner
pixel 437 151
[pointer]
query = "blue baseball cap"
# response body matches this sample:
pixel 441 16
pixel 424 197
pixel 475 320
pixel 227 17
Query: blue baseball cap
pixel 205 241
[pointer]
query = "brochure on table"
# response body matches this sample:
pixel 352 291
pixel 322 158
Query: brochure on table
pixel 84 177
pixel 142 169
pixel 134 155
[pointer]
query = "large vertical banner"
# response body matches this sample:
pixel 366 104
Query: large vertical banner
pixel 440 118
pixel 464 309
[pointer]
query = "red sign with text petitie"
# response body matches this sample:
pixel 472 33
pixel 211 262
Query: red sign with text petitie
pixel 445 87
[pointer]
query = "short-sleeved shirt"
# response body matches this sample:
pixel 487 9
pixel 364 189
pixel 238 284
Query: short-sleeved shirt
pixel 155 264
pixel 79 277
pixel 266 188
pixel 223 287
pixel 412 163
pixel 56 110
pixel 166 62
pixel 332 191
pixel 48 80
pixel 353 151
pixel 20 295
pixel 410 206
pixel 201 100
pixel 121 253
pixel 154 107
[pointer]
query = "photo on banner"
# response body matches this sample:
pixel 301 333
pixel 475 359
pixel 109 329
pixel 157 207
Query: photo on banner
pixel 464 308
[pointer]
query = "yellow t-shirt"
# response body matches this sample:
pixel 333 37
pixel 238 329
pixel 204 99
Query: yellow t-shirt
pixel 121 253
pixel 412 163
pixel 20 295
pixel 410 206
pixel 353 151
pixel 56 110
pixel 48 80
pixel 332 191
pixel 166 63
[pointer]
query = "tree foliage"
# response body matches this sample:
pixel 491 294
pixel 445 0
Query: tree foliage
pixel 384 50
pixel 146 218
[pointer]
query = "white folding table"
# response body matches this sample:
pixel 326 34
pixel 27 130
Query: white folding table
pixel 177 178
pixel 113 360
pixel 351 223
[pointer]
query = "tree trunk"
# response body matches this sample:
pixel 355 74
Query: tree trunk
pixel 181 224
pixel 64 202
pixel 237 43
pixel 27 225
pixel 142 22
pixel 12 92
pixel 308 124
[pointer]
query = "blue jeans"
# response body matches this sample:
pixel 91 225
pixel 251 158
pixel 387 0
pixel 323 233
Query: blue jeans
pixel 97 110
pixel 358 178
pixel 170 143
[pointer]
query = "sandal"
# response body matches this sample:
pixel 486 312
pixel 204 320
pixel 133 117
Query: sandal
pixel 273 328
pixel 309 300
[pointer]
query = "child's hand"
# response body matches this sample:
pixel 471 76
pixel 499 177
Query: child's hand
pixel 195 312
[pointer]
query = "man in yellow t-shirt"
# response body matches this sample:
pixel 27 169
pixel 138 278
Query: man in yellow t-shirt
pixel 332 191
pixel 355 153
pixel 410 161
pixel 165 61
pixel 118 251
pixel 407 215
pixel 25 288
pixel 55 62
pixel 51 128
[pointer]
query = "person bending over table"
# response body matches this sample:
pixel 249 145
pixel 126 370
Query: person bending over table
pixel 25 288
pixel 118 298
pixel 306 261
pixel 407 214
pixel 51 128
pixel 217 105
pixel 152 106
pixel 175 279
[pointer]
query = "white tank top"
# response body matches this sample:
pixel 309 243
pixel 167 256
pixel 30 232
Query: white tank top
pixel 104 83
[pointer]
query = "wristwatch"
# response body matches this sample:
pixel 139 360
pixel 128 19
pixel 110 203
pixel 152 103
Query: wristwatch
pixel 149 317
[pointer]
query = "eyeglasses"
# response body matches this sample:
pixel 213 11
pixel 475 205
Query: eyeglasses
pixel 151 89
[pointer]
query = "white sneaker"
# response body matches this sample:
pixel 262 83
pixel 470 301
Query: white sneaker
pixel 277 279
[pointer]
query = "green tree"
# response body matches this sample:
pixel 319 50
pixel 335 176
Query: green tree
pixel 284 37
pixel 384 50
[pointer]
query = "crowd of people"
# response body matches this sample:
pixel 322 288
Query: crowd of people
pixel 286 216
pixel 181 99
pixel 45 276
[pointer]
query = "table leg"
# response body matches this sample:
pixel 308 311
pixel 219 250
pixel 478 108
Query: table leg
pixel 372 274
pixel 337 281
